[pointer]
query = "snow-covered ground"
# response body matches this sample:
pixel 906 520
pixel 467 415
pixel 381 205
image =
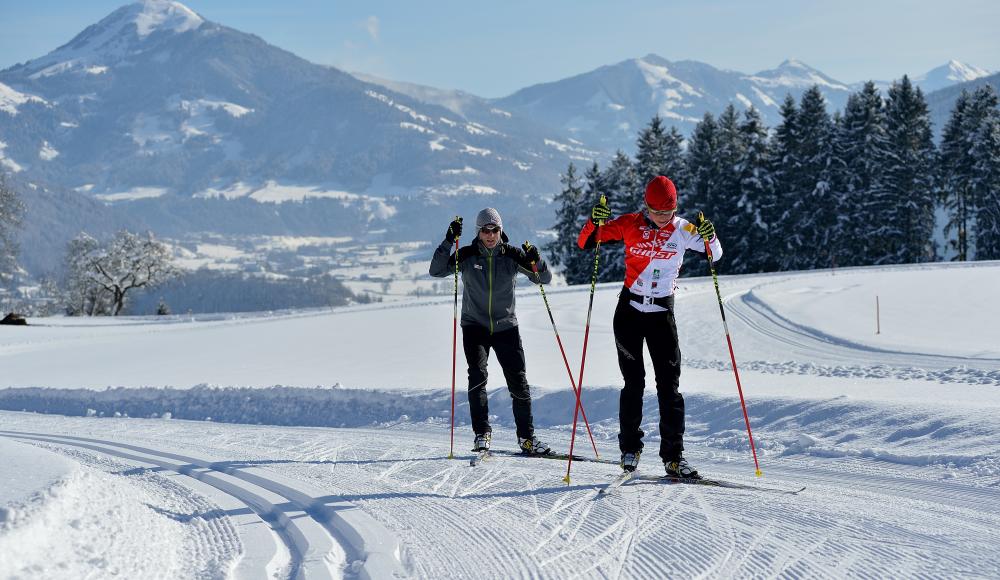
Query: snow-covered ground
pixel 894 436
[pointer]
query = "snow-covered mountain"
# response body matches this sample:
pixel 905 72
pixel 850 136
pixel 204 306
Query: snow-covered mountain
pixel 172 122
pixel 949 74
pixel 611 104
pixel 156 101
pixel 939 78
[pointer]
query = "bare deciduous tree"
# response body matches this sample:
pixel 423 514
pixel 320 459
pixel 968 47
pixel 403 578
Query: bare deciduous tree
pixel 101 276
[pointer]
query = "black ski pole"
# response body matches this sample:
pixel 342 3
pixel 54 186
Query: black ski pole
pixel 454 350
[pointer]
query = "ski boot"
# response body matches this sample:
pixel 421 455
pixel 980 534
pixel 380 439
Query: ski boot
pixel 630 461
pixel 482 442
pixel 533 446
pixel 681 468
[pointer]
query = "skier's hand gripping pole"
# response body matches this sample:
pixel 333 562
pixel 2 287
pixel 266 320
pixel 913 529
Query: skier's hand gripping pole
pixel 454 335
pixel 534 268
pixel 702 222
pixel 586 335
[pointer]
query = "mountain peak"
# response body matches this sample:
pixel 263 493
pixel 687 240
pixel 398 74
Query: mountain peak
pixel 152 15
pixel 948 74
pixel 118 35
pixel 795 73
pixel 795 64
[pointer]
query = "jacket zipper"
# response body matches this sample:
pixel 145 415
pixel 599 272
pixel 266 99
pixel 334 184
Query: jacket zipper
pixel 489 277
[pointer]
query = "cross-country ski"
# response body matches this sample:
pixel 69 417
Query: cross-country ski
pixel 712 482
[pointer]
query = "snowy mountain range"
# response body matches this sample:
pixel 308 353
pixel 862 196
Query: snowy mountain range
pixel 608 106
pixel 153 100
pixel 158 118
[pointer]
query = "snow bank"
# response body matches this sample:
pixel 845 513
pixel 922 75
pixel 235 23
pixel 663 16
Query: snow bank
pixel 908 434
pixel 27 480
pixel 88 524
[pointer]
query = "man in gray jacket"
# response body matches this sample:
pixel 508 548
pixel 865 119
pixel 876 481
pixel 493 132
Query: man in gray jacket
pixel 489 266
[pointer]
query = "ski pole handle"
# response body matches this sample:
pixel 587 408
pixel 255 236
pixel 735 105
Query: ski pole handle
pixel 708 249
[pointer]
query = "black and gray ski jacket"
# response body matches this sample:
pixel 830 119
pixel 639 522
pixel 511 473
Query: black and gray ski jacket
pixel 488 277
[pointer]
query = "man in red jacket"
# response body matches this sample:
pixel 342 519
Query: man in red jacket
pixel 655 242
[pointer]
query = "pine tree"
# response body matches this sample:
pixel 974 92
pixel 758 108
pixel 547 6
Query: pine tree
pixel 571 214
pixel 674 165
pixel 595 187
pixel 703 168
pixel 747 242
pixel 904 220
pixel 650 157
pixel 725 211
pixel 861 151
pixel 815 207
pixel 955 172
pixel 776 211
pixel 984 186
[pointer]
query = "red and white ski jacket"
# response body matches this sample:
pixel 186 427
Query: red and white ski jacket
pixel 653 256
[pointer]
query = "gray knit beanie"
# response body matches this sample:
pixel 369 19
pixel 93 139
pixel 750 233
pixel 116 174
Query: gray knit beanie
pixel 487 217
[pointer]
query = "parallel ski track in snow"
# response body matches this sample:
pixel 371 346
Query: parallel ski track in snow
pixel 319 533
pixel 513 517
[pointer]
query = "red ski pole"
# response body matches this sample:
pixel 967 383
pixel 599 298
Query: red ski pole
pixel 586 335
pixel 454 350
pixel 732 357
pixel 583 411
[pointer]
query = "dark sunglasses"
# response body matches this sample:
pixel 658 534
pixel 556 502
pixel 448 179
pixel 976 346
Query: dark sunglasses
pixel 489 229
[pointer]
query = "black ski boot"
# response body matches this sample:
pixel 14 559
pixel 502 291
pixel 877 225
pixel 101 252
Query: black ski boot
pixel 630 461
pixel 482 442
pixel 533 446
pixel 681 469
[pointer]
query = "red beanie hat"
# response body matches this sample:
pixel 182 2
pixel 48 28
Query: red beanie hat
pixel 661 194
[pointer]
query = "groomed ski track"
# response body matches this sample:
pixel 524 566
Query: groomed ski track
pixel 288 528
pixel 513 517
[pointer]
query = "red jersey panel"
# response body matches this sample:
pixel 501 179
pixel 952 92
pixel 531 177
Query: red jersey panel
pixel 653 256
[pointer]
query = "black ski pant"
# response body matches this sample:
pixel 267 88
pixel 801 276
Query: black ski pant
pixel 659 331
pixel 477 342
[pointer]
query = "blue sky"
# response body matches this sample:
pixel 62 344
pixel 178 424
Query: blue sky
pixel 494 48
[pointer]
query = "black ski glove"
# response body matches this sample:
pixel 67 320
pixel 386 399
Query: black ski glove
pixel 531 253
pixel 706 230
pixel 454 231
pixel 600 213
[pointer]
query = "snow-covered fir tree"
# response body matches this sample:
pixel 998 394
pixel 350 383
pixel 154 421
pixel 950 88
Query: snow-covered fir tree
pixel 954 175
pixel 861 150
pixel 703 169
pixel 903 220
pixel 785 161
pixel 572 211
pixel 814 205
pixel 725 210
pixel 984 185
pixel 650 156
pixel 756 191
